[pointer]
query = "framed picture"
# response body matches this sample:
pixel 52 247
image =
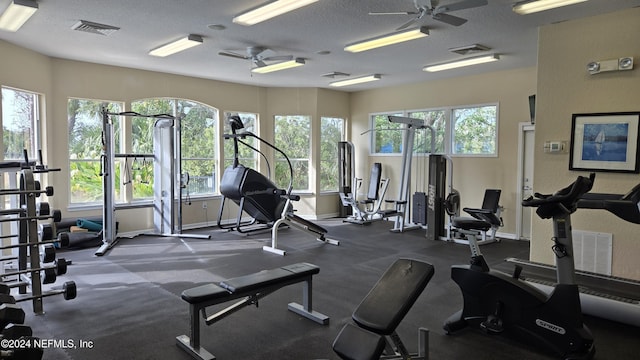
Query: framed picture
pixel 605 142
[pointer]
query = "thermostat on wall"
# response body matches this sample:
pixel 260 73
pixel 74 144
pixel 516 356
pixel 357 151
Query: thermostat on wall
pixel 554 146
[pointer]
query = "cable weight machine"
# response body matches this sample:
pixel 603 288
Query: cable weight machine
pixel 168 180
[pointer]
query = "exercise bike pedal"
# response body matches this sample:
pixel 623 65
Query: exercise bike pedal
pixel 492 326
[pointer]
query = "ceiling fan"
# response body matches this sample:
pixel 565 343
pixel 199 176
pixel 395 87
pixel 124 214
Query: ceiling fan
pixel 258 55
pixel 437 12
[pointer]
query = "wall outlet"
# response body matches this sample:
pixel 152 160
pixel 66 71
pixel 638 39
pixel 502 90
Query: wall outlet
pixel 204 205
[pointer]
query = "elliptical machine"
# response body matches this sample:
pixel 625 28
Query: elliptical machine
pixel 499 303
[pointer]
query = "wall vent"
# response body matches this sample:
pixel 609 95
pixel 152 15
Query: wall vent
pixel 94 28
pixel 470 49
pixel 592 251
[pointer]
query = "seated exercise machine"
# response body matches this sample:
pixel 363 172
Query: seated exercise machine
pixel 251 288
pixel 484 222
pixel 368 210
pixel 256 195
pixel 609 297
pixel 381 311
pixel 499 303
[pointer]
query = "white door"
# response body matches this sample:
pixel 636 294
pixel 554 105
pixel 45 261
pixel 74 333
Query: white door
pixel 525 178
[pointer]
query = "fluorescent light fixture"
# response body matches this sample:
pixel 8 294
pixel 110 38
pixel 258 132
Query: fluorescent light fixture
pixel 358 80
pixel 388 39
pixel 270 10
pixel 462 63
pixel 18 12
pixel 177 46
pixel 533 6
pixel 279 66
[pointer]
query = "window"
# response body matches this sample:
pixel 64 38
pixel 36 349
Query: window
pixel 462 131
pixel 198 127
pixel 20 111
pixel 475 130
pixel 386 136
pixel 293 137
pixel 85 147
pixel 246 156
pixel 435 119
pixel 331 132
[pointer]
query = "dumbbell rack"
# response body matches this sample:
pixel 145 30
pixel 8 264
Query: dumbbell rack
pixel 29 264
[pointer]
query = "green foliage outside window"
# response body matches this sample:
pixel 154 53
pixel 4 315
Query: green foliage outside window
pixel 84 120
pixel 293 137
pixel 246 155
pixel 387 135
pixel 474 130
pixel 422 141
pixel 331 132
pixel 18 123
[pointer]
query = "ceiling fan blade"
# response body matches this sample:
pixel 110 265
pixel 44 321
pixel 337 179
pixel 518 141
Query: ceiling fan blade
pixel 395 13
pixel 449 19
pixel 259 63
pixel 233 55
pixel 461 5
pixel 408 23
pixel 278 58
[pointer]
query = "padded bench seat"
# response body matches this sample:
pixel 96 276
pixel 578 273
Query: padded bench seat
pixel 251 287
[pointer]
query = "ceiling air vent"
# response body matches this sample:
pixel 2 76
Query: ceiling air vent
pixel 94 28
pixel 470 49
pixel 334 74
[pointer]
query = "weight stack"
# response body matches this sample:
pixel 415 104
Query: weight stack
pixel 436 196
pixel 419 215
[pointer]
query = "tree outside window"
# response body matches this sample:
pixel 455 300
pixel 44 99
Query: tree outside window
pixel 19 119
pixel 475 130
pixel 387 136
pixel 246 156
pixel 293 137
pixel 331 132
pixel 423 141
pixel 84 120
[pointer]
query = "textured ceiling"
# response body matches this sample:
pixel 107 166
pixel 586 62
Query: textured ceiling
pixel 325 26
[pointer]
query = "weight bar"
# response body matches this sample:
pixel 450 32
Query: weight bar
pixel 42 209
pixel 69 291
pixel 37 191
pixel 63 240
pixel 50 273
pixel 56 215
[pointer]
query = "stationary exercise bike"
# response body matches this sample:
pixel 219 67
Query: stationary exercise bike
pixel 502 304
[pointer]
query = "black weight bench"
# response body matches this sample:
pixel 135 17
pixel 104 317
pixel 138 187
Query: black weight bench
pixel 250 287
pixel 380 313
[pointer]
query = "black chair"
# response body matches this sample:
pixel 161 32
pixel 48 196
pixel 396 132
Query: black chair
pixel 484 220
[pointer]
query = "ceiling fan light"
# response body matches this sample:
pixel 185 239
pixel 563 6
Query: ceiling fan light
pixel 462 63
pixel 16 14
pixel 388 39
pixel 358 80
pixel 279 66
pixel 177 46
pixel 270 10
pixel 533 6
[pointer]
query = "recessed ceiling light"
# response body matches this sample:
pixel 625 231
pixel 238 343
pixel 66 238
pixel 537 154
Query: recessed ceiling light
pixel 216 27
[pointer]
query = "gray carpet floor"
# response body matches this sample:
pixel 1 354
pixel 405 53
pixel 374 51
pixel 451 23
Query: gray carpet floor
pixel 129 306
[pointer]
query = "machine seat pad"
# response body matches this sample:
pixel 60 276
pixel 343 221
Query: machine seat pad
pixel 393 296
pixel 467 223
pixel 354 343
pixel 266 278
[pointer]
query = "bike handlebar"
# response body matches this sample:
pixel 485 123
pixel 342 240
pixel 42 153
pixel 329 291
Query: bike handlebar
pixel 563 201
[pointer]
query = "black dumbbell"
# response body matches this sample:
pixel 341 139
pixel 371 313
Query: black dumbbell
pixel 14 331
pixel 48 253
pixel 11 314
pixel 69 291
pixel 37 191
pixel 24 353
pixel 7 299
pixel 56 215
pixel 50 272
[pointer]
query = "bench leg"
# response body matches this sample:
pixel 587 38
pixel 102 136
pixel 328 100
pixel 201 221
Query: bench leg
pixel 192 344
pixel 306 309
